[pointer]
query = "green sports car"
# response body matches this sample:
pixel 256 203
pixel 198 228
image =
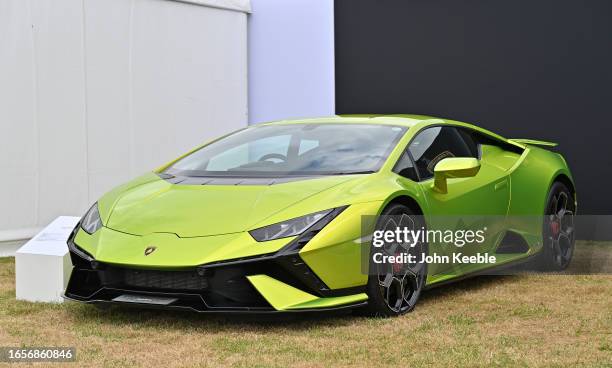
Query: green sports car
pixel 271 218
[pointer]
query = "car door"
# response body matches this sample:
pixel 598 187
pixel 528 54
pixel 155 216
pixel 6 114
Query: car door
pixel 473 203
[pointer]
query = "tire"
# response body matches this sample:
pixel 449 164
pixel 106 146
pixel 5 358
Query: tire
pixel 558 233
pixel 388 283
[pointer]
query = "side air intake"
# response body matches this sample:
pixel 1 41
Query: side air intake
pixel 512 243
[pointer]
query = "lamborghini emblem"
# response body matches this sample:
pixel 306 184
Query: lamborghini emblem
pixel 149 250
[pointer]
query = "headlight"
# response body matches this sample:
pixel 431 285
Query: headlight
pixel 288 228
pixel 91 221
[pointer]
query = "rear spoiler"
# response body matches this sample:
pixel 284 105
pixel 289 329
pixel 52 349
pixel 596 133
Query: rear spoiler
pixel 533 142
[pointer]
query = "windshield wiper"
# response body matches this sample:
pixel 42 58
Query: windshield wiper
pixel 353 172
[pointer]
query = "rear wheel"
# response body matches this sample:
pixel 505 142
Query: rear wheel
pixel 558 232
pixel 394 289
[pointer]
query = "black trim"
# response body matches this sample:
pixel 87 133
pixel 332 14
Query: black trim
pixel 226 287
pixel 212 311
pixel 223 289
pixel 287 268
pixel 487 271
pixel 229 180
pixel 78 256
pixel 396 168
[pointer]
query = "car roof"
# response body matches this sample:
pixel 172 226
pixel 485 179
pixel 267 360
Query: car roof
pixel 406 120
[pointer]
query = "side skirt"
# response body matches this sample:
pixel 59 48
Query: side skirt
pixel 486 271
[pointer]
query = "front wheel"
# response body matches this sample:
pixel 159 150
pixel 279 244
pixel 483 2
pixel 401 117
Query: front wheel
pixel 394 289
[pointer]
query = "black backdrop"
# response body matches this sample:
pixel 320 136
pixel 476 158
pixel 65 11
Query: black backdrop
pixel 538 69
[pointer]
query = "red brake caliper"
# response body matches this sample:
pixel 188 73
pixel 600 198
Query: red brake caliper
pixel 555 227
pixel 397 267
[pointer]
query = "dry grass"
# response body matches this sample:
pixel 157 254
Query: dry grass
pixel 504 321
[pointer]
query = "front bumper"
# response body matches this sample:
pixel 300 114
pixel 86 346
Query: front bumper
pixel 273 282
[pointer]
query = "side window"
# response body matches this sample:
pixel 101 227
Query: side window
pixel 405 168
pixel 435 144
pixel 470 139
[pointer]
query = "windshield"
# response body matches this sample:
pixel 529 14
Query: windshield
pixel 293 149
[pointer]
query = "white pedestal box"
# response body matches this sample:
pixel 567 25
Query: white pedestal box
pixel 42 265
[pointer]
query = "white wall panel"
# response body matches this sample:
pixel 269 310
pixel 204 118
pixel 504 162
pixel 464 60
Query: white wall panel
pixel 94 92
pixel 107 55
pixel 60 98
pixel 189 66
pixel 18 130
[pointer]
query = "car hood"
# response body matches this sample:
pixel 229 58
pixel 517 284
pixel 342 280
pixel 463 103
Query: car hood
pixel 152 205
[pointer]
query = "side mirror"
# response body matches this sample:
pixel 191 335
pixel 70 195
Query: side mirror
pixel 455 167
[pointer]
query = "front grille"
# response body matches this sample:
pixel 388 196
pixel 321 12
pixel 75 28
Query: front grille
pixel 177 280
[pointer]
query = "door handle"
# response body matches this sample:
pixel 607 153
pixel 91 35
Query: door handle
pixel 501 185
